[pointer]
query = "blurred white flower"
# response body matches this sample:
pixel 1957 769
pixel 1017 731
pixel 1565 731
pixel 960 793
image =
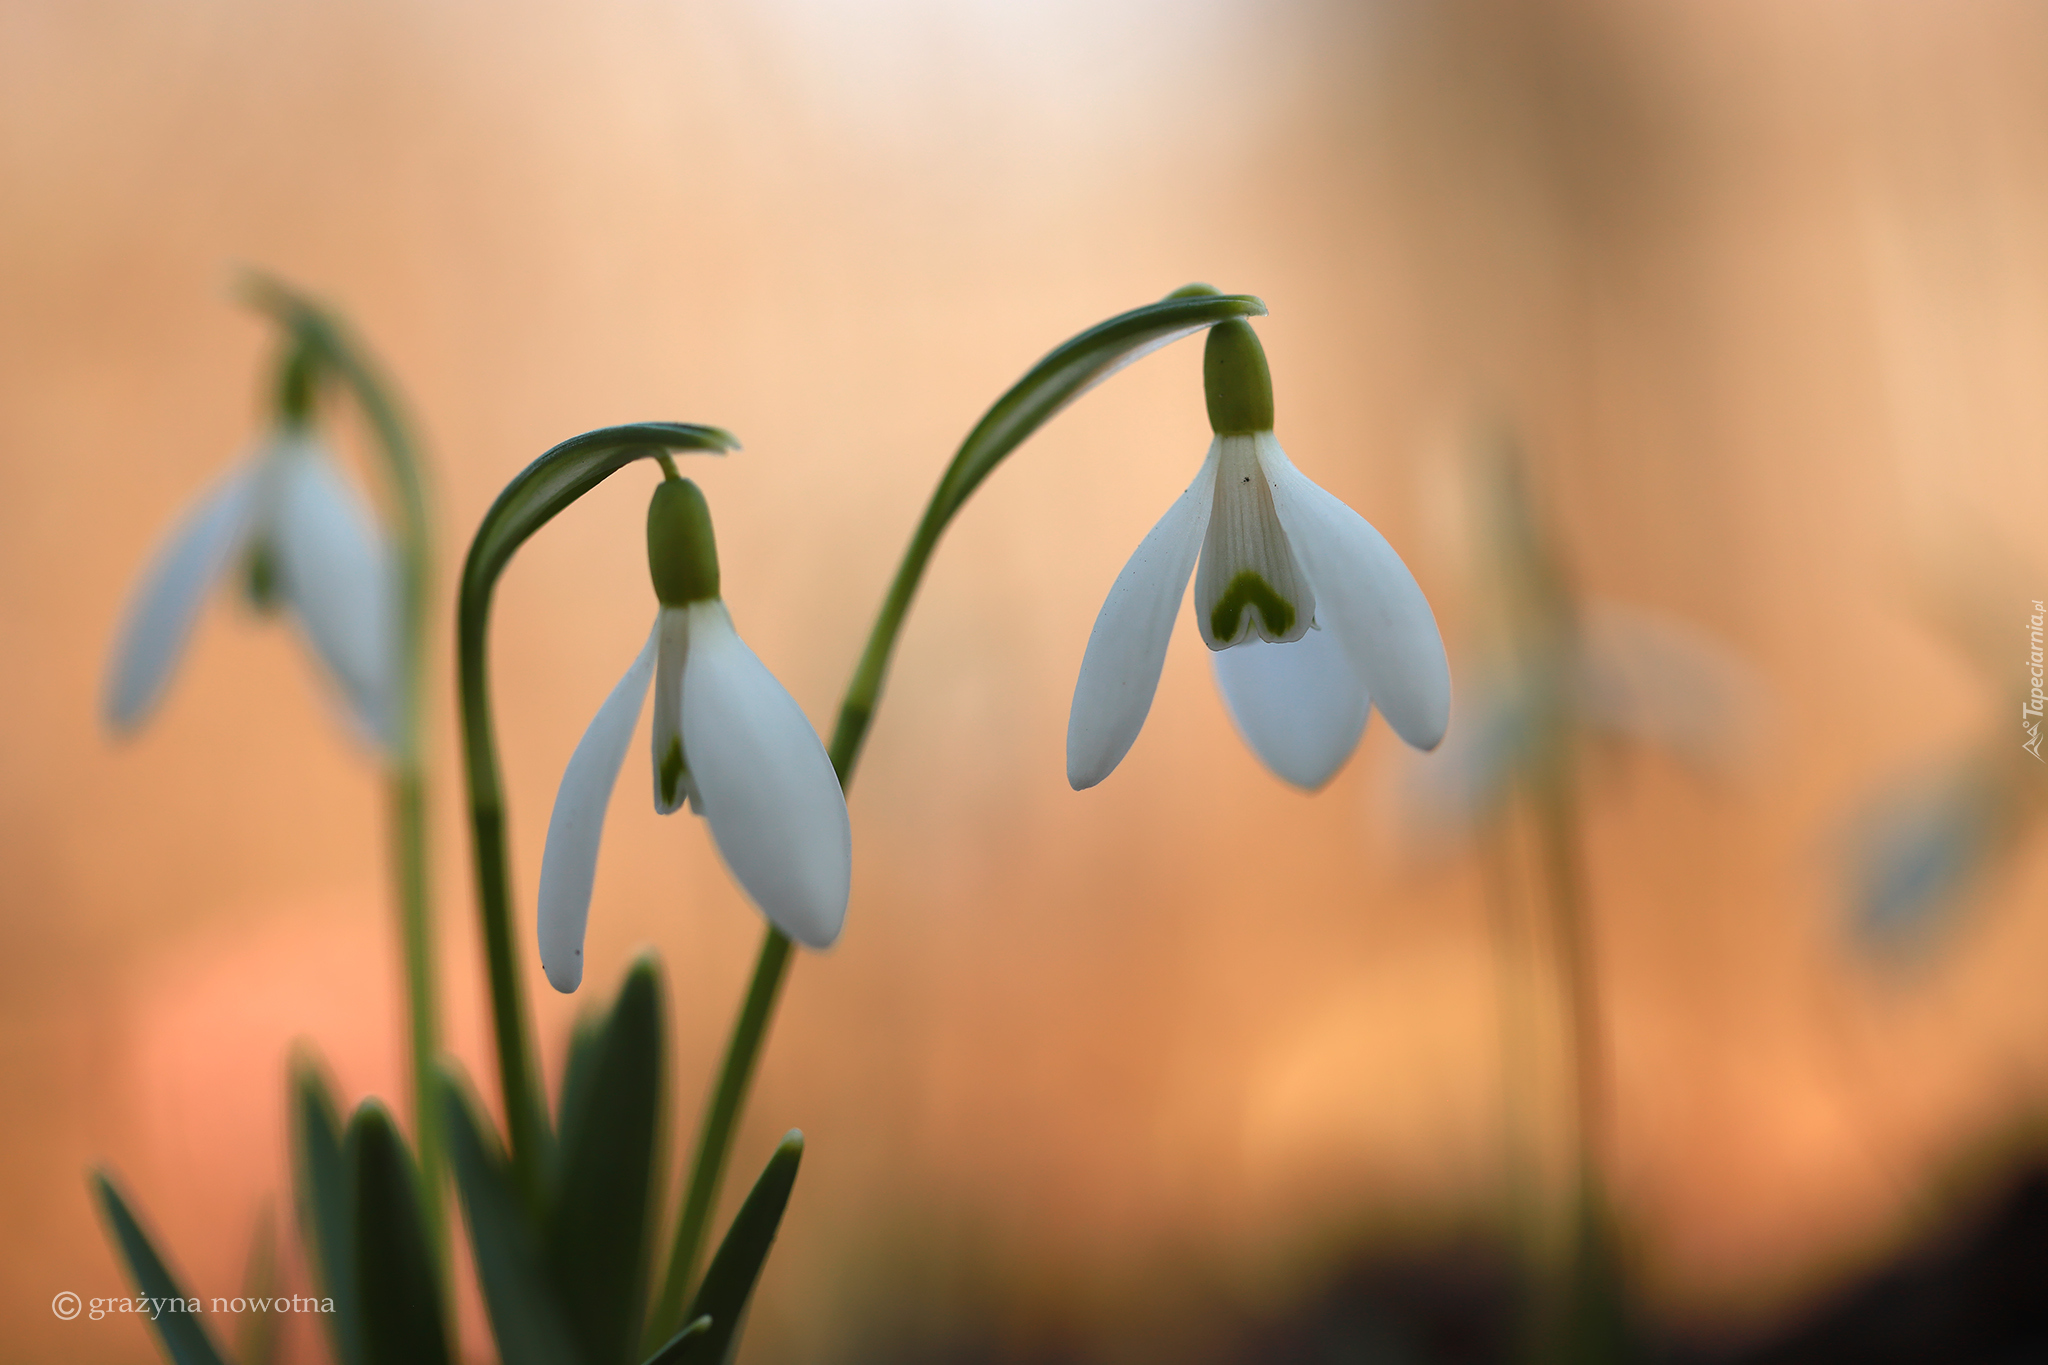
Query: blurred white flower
pixel 305 538
pixel 1618 673
pixel 1312 615
pixel 728 738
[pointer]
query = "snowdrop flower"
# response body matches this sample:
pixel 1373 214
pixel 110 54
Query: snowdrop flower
pixel 1605 671
pixel 1311 614
pixel 727 738
pixel 304 539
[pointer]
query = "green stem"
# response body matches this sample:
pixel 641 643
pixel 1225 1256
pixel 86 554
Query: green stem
pixel 409 787
pixel 1056 380
pixel 518 1083
pixel 714 1140
pixel 320 341
pixel 533 498
pixel 750 1030
pixel 1564 883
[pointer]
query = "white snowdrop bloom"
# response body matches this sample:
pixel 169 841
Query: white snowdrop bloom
pixel 728 739
pixel 1312 615
pixel 304 537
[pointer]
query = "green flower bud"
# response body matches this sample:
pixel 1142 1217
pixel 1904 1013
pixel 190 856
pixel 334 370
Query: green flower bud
pixel 1235 379
pixel 682 553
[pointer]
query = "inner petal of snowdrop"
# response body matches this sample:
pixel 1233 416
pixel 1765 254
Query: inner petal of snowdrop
pixel 1250 584
pixel 672 784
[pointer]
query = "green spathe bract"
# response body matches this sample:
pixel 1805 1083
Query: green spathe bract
pixel 682 551
pixel 1236 380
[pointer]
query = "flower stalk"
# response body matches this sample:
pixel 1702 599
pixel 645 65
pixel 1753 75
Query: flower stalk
pixel 320 345
pixel 533 498
pixel 1062 376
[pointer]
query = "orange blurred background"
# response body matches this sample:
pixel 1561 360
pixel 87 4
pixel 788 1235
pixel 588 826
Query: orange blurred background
pixel 1762 286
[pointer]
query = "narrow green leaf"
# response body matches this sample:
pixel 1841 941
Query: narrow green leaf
pixel 597 1219
pixel 396 1274
pixel 729 1282
pixel 677 1348
pixel 1069 371
pixel 586 1045
pixel 535 495
pixel 184 1337
pixel 320 1171
pixel 525 1316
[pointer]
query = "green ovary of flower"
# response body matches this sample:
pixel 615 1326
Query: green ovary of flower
pixel 1250 592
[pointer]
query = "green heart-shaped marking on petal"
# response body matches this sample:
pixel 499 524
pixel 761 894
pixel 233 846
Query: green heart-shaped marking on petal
pixel 672 770
pixel 1249 591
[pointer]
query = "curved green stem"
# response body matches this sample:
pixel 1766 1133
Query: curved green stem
pixel 321 343
pixel 750 1029
pixel 1061 376
pixel 518 1082
pixel 714 1140
pixel 533 498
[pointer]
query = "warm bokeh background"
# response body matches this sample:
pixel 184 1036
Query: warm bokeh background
pixel 1763 286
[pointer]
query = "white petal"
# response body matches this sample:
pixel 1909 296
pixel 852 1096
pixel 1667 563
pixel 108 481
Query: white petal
pixel 1368 599
pixel 1250 582
pixel 764 783
pixel 1648 677
pixel 336 571
pixel 1127 648
pixel 1300 706
pixel 568 864
pixel 673 628
pixel 1468 777
pixel 204 544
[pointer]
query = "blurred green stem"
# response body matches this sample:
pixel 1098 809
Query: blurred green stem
pixel 321 342
pixel 1564 888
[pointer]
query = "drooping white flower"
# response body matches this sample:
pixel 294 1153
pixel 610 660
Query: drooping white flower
pixel 288 518
pixel 1312 615
pixel 727 738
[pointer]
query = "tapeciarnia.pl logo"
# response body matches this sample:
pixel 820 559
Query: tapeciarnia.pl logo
pixel 2031 708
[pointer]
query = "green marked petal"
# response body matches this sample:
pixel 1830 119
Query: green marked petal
pixel 1250 593
pixel 672 771
pixel 1250 583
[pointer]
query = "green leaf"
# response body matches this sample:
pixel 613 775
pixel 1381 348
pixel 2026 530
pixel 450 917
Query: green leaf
pixel 320 1171
pixel 396 1275
pixel 1071 370
pixel 184 1337
pixel 729 1282
pixel 586 1045
pixel 525 1316
pixel 596 1239
pixel 677 1348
